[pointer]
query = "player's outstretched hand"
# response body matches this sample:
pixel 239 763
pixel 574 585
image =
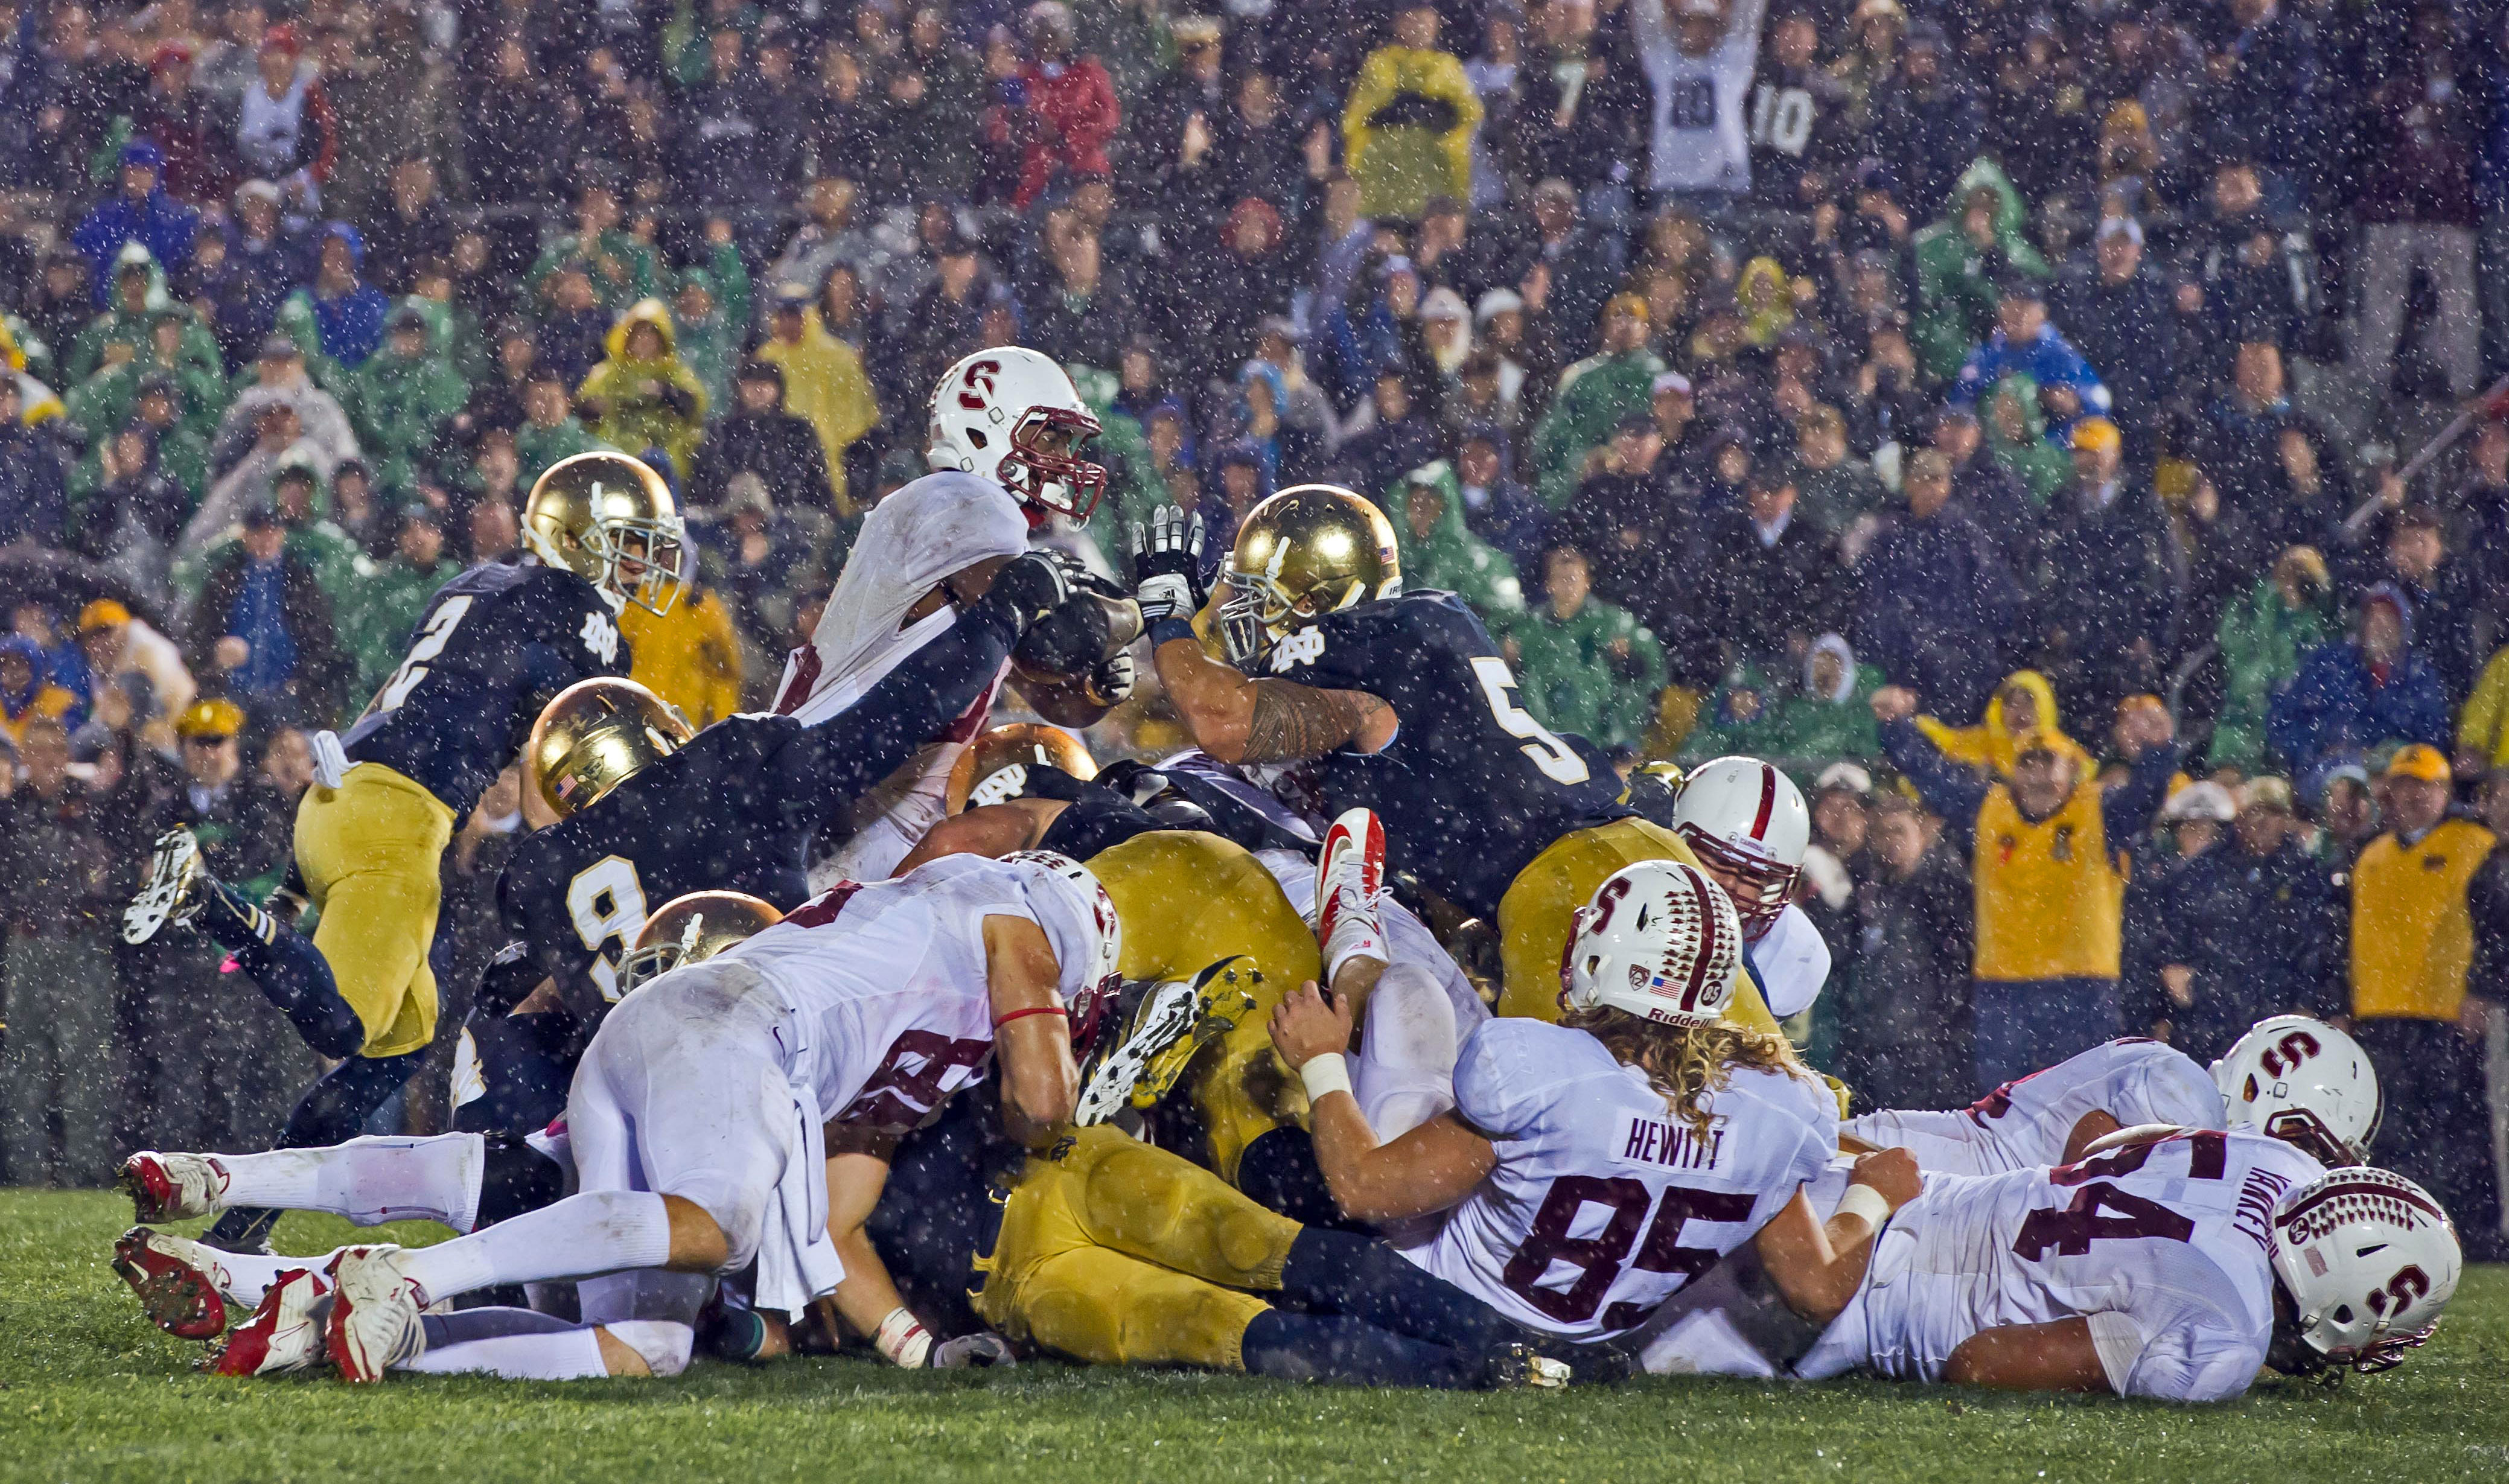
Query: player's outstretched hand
pixel 1309 1022
pixel 968 1352
pixel 1892 1174
pixel 1167 564
pixel 1029 586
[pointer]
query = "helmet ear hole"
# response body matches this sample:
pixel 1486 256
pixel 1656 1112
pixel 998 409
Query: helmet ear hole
pixel 2342 1314
pixel 976 437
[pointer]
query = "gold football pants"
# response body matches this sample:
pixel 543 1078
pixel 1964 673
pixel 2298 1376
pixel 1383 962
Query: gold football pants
pixel 1541 905
pixel 1116 1252
pixel 1188 900
pixel 370 852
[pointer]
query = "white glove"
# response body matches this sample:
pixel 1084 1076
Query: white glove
pixel 968 1352
pixel 1167 563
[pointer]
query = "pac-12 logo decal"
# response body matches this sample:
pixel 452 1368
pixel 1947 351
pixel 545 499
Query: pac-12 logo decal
pixel 976 384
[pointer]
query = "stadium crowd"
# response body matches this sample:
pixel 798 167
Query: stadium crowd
pixel 1918 396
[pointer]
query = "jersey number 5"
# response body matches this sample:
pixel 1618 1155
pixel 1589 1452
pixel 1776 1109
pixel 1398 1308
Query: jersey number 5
pixel 1557 762
pixel 431 643
pixel 607 902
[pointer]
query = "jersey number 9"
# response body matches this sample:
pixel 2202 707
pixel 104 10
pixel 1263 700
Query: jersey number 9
pixel 607 904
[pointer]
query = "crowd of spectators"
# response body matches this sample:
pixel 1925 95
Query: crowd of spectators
pixel 1871 384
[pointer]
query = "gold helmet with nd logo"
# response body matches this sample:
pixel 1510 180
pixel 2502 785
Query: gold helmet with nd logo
pixel 994 767
pixel 693 929
pixel 1309 550
pixel 595 735
pixel 610 519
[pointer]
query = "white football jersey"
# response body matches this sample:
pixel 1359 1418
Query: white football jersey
pixel 1790 965
pixel 940 524
pixel 2024 1124
pixel 886 986
pixel 1602 1204
pixel 1699 139
pixel 2162 1247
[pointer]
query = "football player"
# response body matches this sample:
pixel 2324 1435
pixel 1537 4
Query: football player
pixel 646 814
pixel 1746 823
pixel 2301 1080
pixel 1644 1119
pixel 1398 702
pixel 698 1119
pixel 493 645
pixel 1007 436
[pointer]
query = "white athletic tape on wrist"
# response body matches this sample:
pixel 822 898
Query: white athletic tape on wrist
pixel 1865 1202
pixel 1327 1073
pixel 903 1340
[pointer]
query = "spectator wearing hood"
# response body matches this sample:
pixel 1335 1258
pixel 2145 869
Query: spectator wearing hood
pixel 402 399
pixel 159 404
pixel 2016 442
pixel 1496 508
pixel 126 331
pixel 689 656
pixel 1827 715
pixel 643 396
pixel 2263 634
pixel 1439 550
pixel 1938 602
pixel 2369 689
pixel 2238 931
pixel 28 694
pixel 824 386
pixel 140 212
pixel 1595 395
pixel 1581 665
pixel 281 377
pixel 2024 341
pixel 1408 123
pixel 1961 261
pixel 710 306
pixel 2108 605
pixel 348 313
pixel 172 349
pixel 1901 1008
pixel 392 598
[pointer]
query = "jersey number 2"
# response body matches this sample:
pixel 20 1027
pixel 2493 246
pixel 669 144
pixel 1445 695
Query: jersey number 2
pixel 607 902
pixel 1557 761
pixel 431 643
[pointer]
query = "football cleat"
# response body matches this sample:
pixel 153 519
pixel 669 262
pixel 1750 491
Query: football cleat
pixel 172 1187
pixel 283 1334
pixel 175 891
pixel 1350 891
pixel 1169 1026
pixel 375 1309
pixel 181 1286
pixel 1516 1368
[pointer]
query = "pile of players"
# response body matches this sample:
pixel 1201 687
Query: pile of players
pixel 859 1023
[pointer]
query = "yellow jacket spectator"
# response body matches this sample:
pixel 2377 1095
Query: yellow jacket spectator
pixel 690 657
pixel 2047 869
pixel 2482 727
pixel 823 383
pixel 2412 936
pixel 643 396
pixel 1407 126
pixel 2024 703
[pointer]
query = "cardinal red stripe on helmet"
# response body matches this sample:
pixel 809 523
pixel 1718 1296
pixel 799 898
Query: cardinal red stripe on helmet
pixel 1768 802
pixel 1706 955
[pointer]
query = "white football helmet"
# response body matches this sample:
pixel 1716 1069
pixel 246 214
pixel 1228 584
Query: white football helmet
pixel 2306 1083
pixel 1090 965
pixel 1660 940
pixel 1747 821
pixel 1010 415
pixel 2369 1260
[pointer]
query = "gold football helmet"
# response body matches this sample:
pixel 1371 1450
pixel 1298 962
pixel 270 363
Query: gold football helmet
pixel 596 736
pixel 691 928
pixel 611 520
pixel 984 774
pixel 1309 550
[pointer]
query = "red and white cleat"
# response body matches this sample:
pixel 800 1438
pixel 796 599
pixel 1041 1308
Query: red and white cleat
pixel 173 1187
pixel 375 1313
pixel 1350 889
pixel 283 1334
pixel 181 1286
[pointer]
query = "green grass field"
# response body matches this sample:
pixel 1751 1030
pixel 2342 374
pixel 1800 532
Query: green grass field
pixel 89 1390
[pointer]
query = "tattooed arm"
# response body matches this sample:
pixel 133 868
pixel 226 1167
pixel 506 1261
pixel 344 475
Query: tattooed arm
pixel 1238 719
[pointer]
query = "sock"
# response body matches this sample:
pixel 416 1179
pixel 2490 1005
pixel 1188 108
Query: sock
pixel 467 1324
pixel 250 1276
pixel 368 1180
pixel 1339 1273
pixel 1314 1347
pixel 232 923
pixel 293 975
pixel 569 1355
pixel 600 1231
pixel 1406 1071
pixel 516 1178
pixel 334 1110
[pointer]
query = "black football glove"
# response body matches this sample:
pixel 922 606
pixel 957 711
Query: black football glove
pixel 1028 588
pixel 1111 682
pixel 1167 566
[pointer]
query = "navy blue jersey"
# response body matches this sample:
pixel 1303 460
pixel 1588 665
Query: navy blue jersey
pixel 1471 788
pixel 495 646
pixel 938 1210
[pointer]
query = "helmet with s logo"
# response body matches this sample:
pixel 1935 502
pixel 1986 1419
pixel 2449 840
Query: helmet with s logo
pixel 2369 1260
pixel 2306 1083
pixel 1010 415
pixel 1660 940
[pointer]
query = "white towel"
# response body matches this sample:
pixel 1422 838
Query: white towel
pixel 796 1261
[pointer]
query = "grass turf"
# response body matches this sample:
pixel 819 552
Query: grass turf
pixel 89 1390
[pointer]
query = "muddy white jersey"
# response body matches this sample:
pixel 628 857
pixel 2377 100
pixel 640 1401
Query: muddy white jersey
pixel 2024 1124
pixel 923 531
pixel 886 986
pixel 2162 1247
pixel 1603 1203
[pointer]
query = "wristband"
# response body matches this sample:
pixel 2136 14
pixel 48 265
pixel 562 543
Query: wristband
pixel 903 1340
pixel 1865 1202
pixel 1002 1021
pixel 1327 1073
pixel 1171 628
